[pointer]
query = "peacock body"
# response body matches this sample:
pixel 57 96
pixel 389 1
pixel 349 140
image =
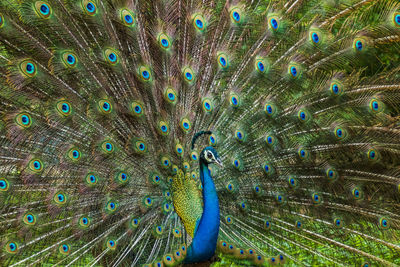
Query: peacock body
pixel 116 114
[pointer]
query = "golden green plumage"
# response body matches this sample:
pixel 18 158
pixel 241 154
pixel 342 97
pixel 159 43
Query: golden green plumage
pixel 187 200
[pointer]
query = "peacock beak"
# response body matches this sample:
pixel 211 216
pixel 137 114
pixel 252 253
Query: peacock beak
pixel 219 162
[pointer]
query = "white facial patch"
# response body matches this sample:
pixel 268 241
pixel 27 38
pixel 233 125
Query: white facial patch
pixel 209 156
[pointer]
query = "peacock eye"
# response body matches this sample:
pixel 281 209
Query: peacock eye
pixel 209 155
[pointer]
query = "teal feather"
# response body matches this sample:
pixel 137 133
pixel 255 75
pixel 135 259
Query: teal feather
pixel 101 103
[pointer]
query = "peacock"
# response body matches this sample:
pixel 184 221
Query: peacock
pixel 200 133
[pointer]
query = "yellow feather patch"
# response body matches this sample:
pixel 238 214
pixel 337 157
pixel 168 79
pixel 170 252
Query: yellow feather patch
pixel 188 201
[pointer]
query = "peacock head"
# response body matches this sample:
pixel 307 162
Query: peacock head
pixel 209 156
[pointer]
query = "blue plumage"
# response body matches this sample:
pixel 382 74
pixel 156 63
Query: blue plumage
pixel 205 240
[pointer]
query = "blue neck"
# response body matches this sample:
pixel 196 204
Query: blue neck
pixel 205 238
